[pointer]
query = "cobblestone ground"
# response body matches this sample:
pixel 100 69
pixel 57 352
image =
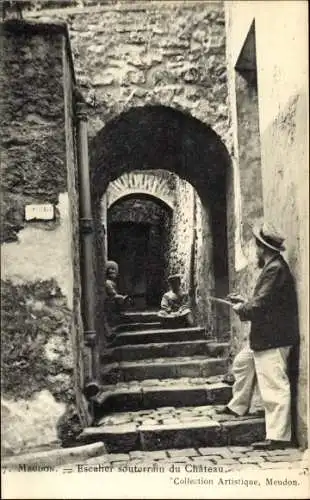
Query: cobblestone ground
pixel 171 415
pixel 220 459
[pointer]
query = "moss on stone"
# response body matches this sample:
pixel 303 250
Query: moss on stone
pixel 35 341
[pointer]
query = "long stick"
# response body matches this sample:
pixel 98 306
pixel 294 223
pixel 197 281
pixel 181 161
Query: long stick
pixel 221 301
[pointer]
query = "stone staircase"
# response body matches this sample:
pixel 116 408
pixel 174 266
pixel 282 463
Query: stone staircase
pixel 161 388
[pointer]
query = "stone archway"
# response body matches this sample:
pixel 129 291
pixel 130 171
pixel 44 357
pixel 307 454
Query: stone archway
pixel 143 183
pixel 145 137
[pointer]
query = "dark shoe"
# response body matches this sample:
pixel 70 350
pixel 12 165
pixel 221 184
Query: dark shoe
pixel 227 411
pixel 257 413
pixel 271 444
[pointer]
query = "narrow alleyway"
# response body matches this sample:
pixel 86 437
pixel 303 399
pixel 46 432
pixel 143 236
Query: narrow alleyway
pixel 161 388
pixel 158 145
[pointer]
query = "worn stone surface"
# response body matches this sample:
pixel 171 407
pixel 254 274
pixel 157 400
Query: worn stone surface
pixel 243 431
pixel 171 427
pixel 160 427
pixel 37 363
pixel 196 366
pixel 150 394
pixel 141 316
pixel 181 239
pixel 159 335
pixel 161 383
pixel 136 326
pixel 36 343
pixel 167 349
pixel 29 423
pixel 249 148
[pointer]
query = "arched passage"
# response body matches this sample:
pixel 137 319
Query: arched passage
pixel 138 232
pixel 153 137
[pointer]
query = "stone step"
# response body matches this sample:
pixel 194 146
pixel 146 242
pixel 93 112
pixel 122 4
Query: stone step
pixel 166 428
pixel 139 316
pixel 129 327
pixel 194 366
pixel 148 394
pixel 159 335
pixel 165 349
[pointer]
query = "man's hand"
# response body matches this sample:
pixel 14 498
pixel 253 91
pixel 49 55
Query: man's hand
pixel 237 307
pixel 236 298
pixel 128 299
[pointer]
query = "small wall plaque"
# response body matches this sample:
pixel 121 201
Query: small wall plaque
pixel 39 212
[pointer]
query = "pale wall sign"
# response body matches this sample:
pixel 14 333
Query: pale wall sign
pixel 39 212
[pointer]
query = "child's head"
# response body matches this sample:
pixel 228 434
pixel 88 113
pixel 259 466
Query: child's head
pixel 175 282
pixel 112 269
pixel 91 389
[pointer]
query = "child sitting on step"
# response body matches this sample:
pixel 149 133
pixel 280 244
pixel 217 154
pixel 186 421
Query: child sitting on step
pixel 175 311
pixel 115 302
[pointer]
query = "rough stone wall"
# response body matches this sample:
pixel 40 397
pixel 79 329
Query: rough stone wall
pixel 37 288
pixel 182 232
pixel 249 153
pixel 36 362
pixel 30 117
pixel 203 274
pixel 191 252
pixel 281 57
pixel 131 54
pixel 249 193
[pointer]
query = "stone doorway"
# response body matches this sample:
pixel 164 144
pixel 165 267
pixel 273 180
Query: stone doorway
pixel 138 239
pixel 128 245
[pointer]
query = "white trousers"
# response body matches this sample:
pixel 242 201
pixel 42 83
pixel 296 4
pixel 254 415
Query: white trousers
pixel 269 368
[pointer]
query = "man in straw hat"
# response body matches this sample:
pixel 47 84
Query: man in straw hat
pixel 273 314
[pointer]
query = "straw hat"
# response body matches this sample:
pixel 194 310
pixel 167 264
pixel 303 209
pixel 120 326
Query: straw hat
pixel 269 237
